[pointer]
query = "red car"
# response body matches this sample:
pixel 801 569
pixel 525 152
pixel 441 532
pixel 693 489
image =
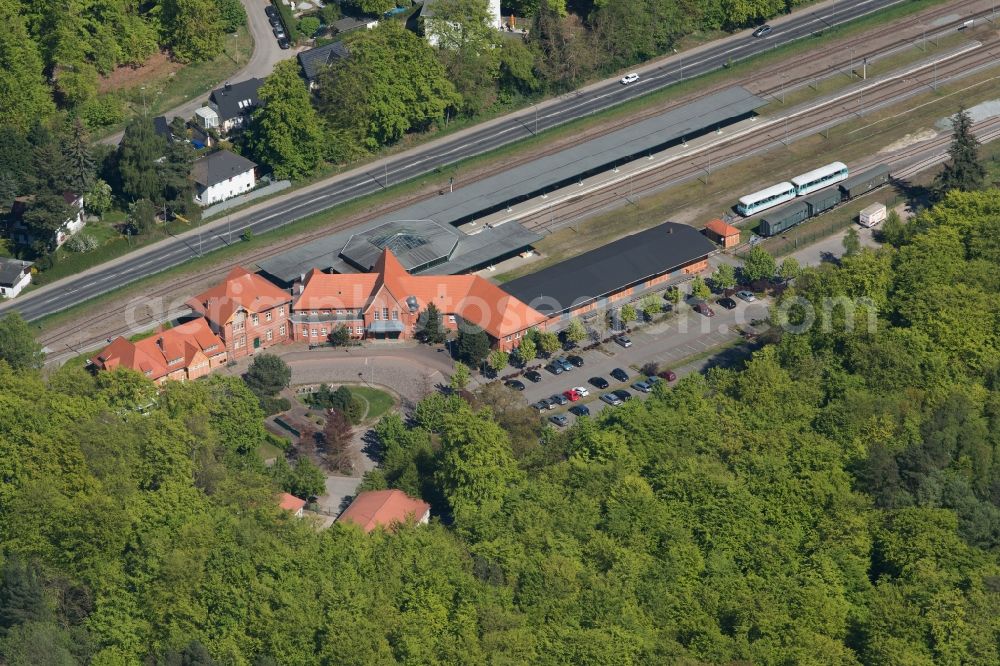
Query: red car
pixel 702 308
pixel 571 395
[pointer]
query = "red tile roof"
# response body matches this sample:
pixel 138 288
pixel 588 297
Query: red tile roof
pixel 240 289
pixel 163 353
pixel 384 508
pixel 291 503
pixel 722 229
pixel 474 299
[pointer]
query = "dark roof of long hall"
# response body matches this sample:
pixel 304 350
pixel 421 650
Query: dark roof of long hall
pixel 610 268
pixel 313 59
pixel 506 185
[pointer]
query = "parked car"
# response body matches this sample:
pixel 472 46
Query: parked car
pixel 274 20
pixel 566 365
pixel 652 381
pixel 611 399
pixel 575 360
pixel 632 77
pixel 623 340
pixel 571 395
pixel 569 345
pixel 533 376
pixel 746 296
pixel 514 384
pixel 548 403
pixel 554 368
pixel 619 374
pixel 727 303
pixel 279 32
pixel 668 375
pixel 599 382
pixel 580 410
pixel 762 30
pixel 583 391
pixel 271 10
pixel 622 395
pixel 284 44
pixel 642 387
pixel 541 405
pixel 703 308
pixel 559 419
pixel 558 399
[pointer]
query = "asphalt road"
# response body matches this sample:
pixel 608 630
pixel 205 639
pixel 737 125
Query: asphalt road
pixel 420 161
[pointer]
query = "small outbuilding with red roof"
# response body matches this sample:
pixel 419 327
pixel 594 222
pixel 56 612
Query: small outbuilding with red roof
pixel 725 234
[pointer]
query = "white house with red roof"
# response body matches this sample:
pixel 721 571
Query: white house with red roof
pixel 292 504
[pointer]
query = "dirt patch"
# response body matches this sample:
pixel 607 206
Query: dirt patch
pixel 159 66
pixel 909 140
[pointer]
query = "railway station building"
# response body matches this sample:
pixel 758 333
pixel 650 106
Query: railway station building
pixel 388 302
pixel 599 279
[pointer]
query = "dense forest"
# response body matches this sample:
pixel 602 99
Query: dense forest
pixel 835 501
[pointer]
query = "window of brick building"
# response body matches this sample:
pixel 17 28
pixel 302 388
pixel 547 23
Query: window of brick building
pixel 255 318
pixel 281 330
pixel 267 316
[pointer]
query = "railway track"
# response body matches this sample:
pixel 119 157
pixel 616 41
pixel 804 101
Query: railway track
pixel 142 321
pixel 805 122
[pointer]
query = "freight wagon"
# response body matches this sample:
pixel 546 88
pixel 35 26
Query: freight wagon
pixel 787 216
pixel 823 200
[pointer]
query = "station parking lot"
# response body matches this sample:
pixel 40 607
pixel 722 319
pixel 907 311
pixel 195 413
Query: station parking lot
pixel 672 342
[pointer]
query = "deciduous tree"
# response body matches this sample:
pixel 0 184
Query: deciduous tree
pixel 724 277
pixel 460 376
pixel 759 264
pixel 498 360
pixel 575 331
pixel 267 375
pixel 527 351
pixel 287 134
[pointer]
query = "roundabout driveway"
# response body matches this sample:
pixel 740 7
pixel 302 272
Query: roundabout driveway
pixel 409 372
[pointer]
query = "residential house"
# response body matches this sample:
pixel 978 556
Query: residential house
pixel 234 102
pixel 185 352
pixel 432 30
pixel 385 508
pixel 15 275
pixel 222 175
pixel 349 24
pixel 725 234
pixel 314 60
pixel 76 220
pixel 387 303
pixel 292 504
pixel 246 311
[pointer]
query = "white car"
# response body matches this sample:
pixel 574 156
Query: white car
pixel 746 296
pixel 582 390
pixel 629 78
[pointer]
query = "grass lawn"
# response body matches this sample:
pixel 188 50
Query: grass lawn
pixel 377 402
pixel 267 450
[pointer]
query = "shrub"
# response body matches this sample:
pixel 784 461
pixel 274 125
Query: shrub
pixel 274 405
pixel 81 243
